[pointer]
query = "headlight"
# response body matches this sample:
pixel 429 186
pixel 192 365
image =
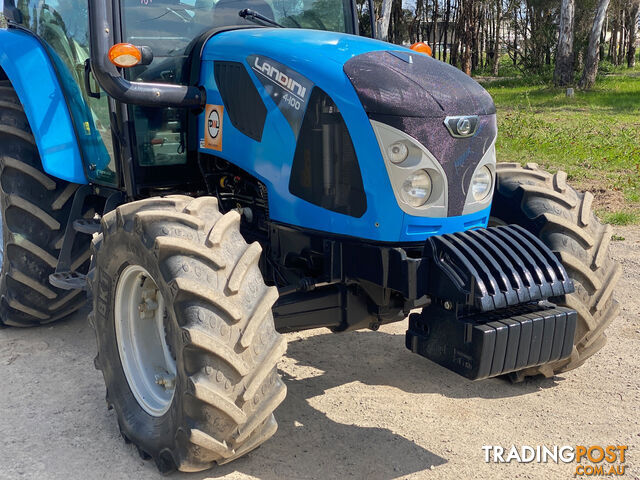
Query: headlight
pixel 481 183
pixel 418 180
pixel 416 189
pixel 397 152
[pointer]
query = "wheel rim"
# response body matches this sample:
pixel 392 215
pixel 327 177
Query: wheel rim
pixel 140 317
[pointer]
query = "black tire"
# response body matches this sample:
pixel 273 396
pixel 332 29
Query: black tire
pixel 35 208
pixel 561 217
pixel 219 327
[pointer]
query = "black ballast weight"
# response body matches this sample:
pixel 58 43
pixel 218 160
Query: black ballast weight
pixel 488 314
pixel 493 343
pixel 496 267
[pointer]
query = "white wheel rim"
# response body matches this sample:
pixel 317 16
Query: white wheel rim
pixel 145 356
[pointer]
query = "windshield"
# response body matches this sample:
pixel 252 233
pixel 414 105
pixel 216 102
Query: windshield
pixel 168 26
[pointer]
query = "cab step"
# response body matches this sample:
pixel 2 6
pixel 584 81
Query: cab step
pixel 68 280
pixel 88 226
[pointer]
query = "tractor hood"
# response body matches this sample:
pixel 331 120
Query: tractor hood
pixel 278 86
pixel 406 84
pixel 389 79
pixel 416 94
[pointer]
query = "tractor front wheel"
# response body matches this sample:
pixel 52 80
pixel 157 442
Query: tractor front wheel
pixel 186 339
pixel 561 217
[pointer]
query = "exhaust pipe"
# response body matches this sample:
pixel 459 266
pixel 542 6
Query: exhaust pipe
pixel 122 90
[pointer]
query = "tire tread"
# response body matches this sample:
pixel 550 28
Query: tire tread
pixel 563 219
pixel 198 251
pixel 32 238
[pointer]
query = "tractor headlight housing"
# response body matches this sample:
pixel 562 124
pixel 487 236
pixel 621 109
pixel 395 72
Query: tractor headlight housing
pixel 481 183
pixel 419 183
pixel 416 189
pixel 417 178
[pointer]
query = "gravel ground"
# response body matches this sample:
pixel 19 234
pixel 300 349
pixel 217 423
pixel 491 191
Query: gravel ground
pixel 359 406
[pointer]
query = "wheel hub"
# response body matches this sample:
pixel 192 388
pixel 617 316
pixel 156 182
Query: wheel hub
pixel 145 355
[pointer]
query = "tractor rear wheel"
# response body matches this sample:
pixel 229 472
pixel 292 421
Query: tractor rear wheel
pixel 186 339
pixel 35 208
pixel 561 217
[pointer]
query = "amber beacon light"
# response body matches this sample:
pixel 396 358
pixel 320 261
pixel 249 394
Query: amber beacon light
pixel 125 55
pixel 421 47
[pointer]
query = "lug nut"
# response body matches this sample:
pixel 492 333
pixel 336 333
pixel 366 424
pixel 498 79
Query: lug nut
pixel 168 382
pixel 148 306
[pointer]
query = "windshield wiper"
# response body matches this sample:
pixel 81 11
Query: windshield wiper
pixel 256 17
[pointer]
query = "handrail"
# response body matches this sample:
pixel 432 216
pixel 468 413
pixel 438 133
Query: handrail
pixel 119 88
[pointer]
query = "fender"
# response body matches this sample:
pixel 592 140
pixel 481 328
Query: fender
pixel 28 66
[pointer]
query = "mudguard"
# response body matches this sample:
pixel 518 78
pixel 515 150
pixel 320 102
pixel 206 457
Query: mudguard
pixel 28 66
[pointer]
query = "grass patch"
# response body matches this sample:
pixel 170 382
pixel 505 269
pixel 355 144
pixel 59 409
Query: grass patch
pixel 594 136
pixel 621 218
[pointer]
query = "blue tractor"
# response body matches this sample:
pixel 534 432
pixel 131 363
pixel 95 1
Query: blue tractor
pixel 219 172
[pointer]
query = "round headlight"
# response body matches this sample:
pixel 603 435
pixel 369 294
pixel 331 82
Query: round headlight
pixel 417 188
pixel 481 183
pixel 397 152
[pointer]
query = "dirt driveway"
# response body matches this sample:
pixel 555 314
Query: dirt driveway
pixel 359 406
